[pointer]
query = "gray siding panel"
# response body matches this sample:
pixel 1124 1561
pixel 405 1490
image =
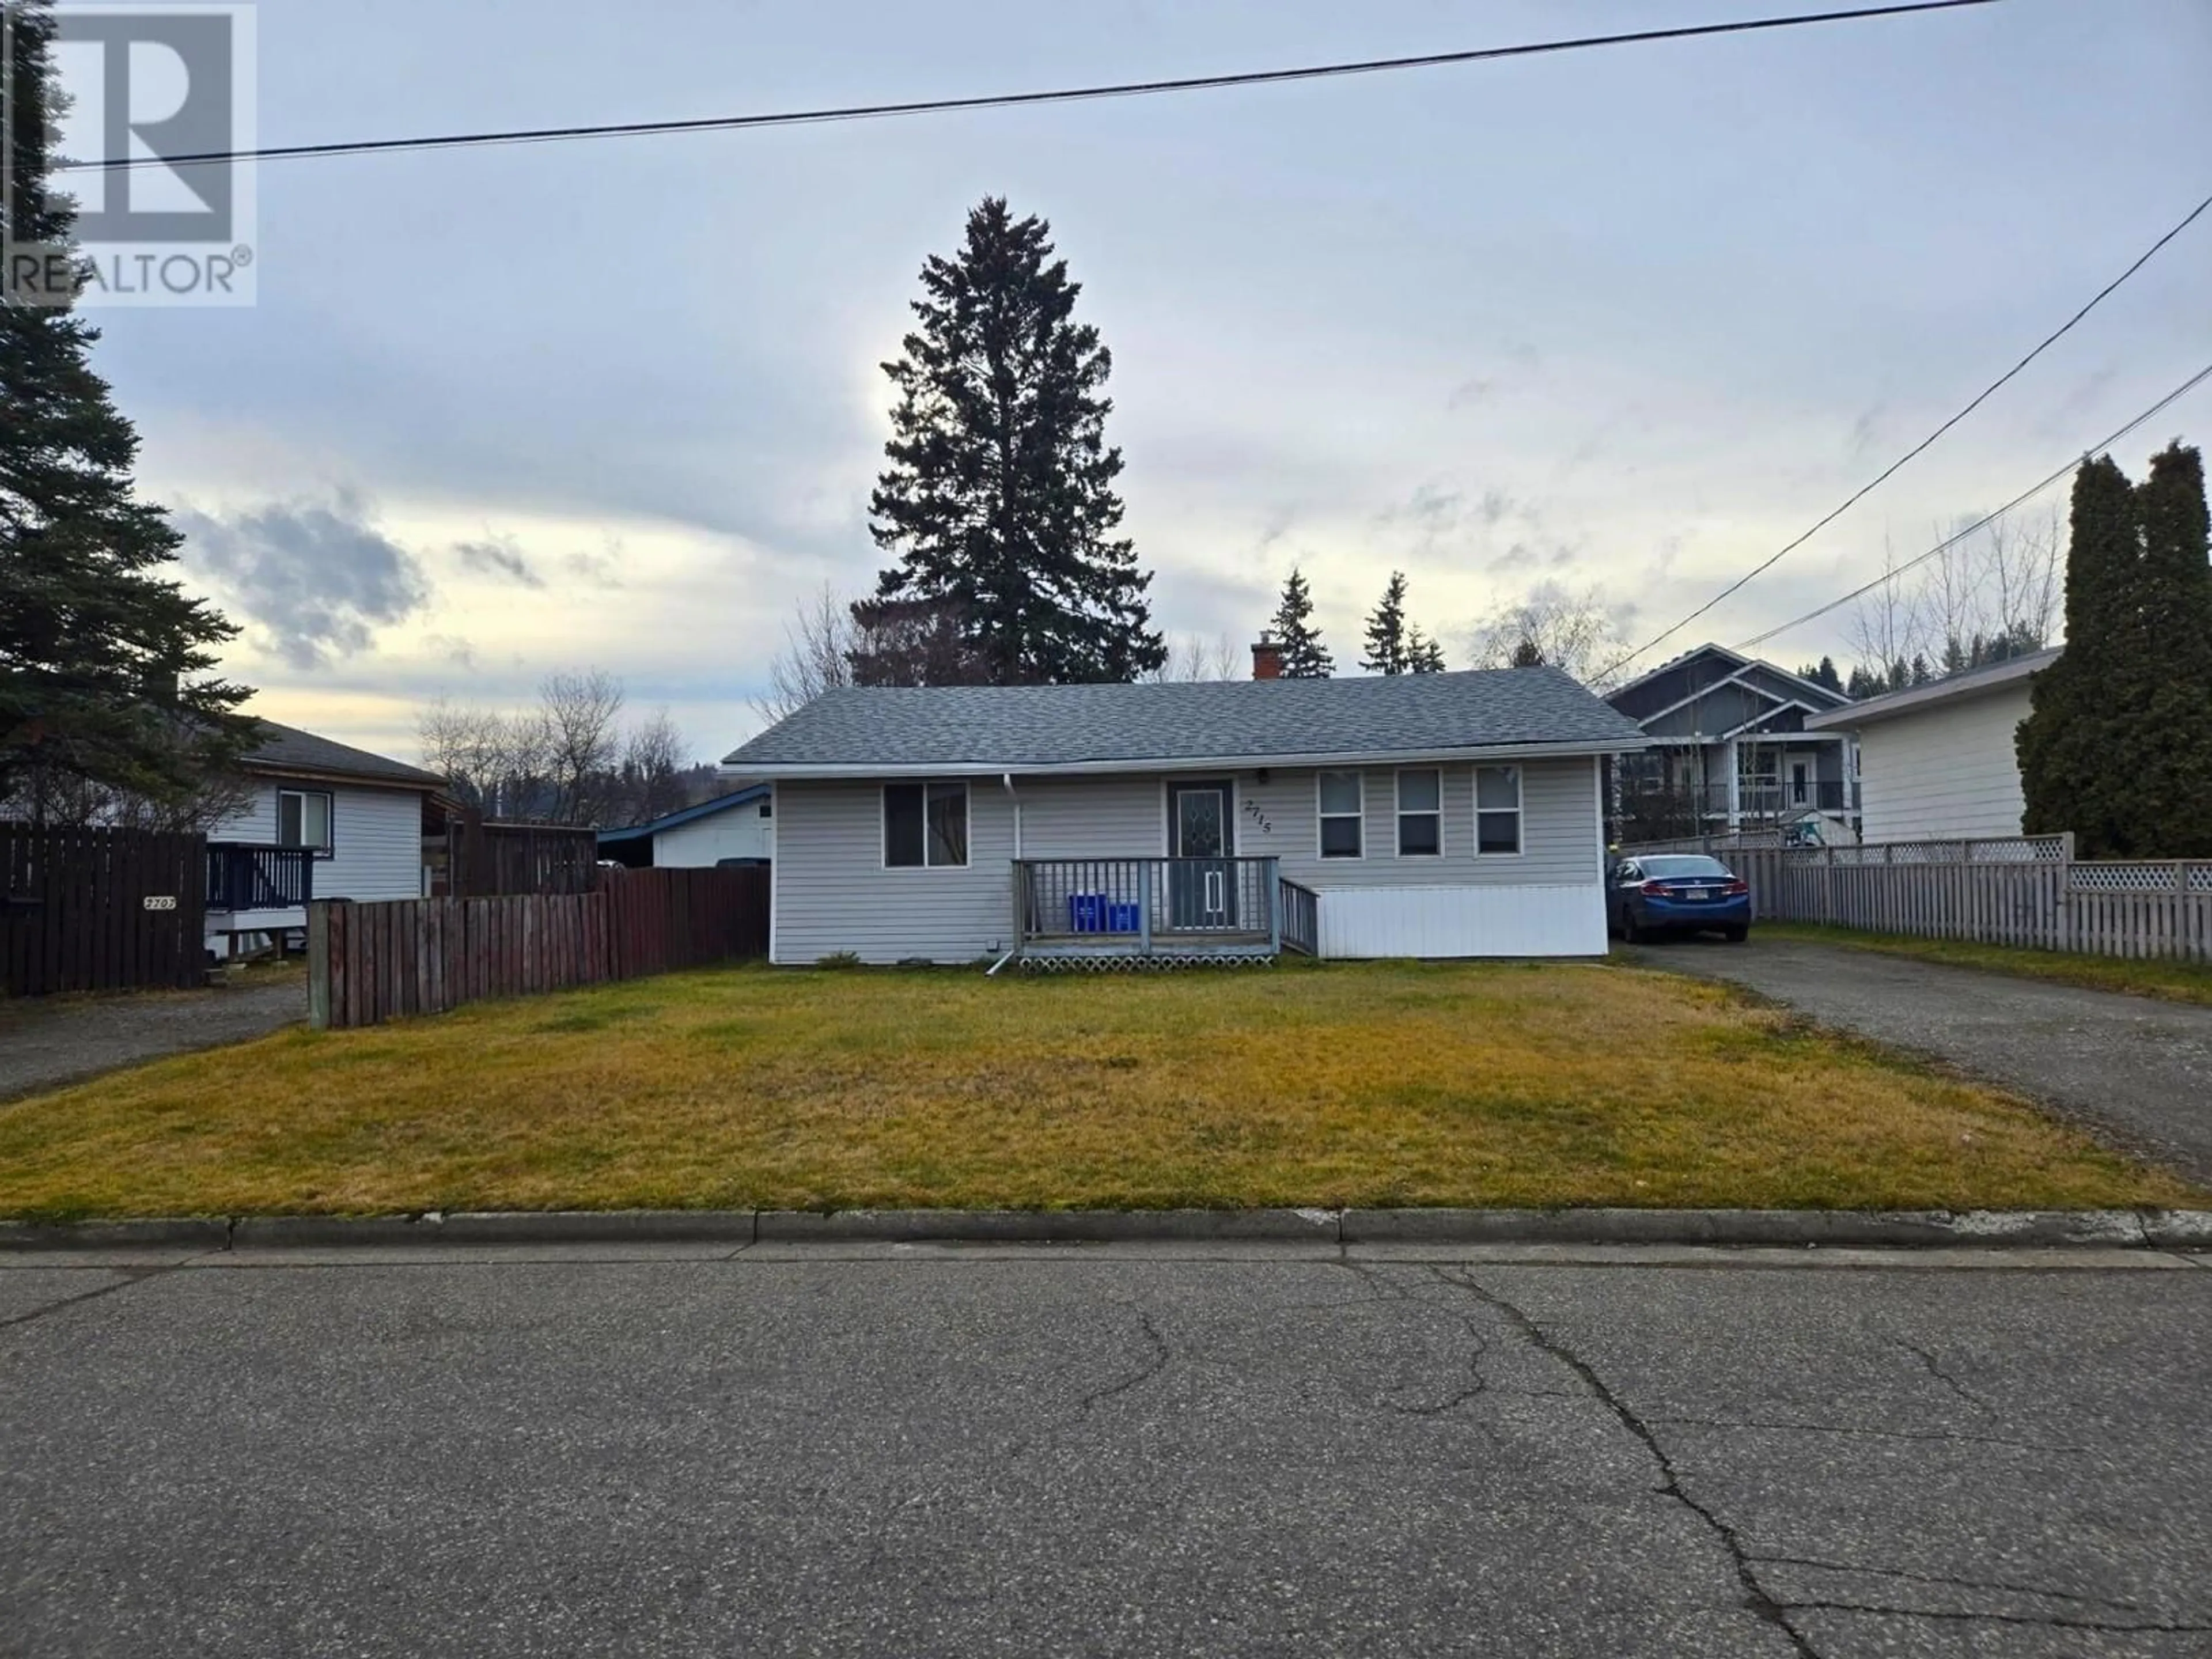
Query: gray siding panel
pixel 1085 818
pixel 833 893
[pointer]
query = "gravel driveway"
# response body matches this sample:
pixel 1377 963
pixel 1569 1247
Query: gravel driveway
pixel 2136 1071
pixel 47 1041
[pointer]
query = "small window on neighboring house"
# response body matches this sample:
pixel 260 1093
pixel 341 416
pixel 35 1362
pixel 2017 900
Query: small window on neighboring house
pixel 767 808
pixel 1338 794
pixel 925 825
pixel 1420 814
pixel 303 819
pixel 1497 809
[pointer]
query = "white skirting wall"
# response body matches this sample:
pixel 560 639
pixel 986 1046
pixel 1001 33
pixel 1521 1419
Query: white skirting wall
pixel 1463 921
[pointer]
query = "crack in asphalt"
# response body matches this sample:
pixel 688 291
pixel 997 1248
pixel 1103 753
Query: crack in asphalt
pixel 130 1276
pixel 1756 1599
pixel 1154 1364
pixel 2052 1621
pixel 1998 1586
pixel 1935 1370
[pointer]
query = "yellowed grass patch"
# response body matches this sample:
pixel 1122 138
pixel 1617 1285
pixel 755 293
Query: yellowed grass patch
pixel 1398 1083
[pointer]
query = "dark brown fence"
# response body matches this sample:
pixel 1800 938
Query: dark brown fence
pixel 478 860
pixel 100 909
pixel 371 963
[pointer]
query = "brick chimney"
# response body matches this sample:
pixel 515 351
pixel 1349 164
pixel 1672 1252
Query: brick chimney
pixel 1267 660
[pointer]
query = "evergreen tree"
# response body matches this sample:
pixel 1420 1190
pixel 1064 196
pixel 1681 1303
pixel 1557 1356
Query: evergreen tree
pixel 2170 742
pixel 1823 673
pixel 1526 654
pixel 2073 757
pixel 1422 654
pixel 1386 630
pixel 105 663
pixel 999 497
pixel 1304 657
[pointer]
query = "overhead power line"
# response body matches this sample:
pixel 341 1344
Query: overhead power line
pixel 1891 469
pixel 2020 500
pixel 1015 99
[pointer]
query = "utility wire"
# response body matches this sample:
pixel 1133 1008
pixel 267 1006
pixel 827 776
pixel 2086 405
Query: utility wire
pixel 1012 100
pixel 2026 495
pixel 1890 471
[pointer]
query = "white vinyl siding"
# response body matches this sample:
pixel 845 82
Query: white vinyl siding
pixel 376 838
pixel 1079 818
pixel 832 892
pixel 739 832
pixel 1949 769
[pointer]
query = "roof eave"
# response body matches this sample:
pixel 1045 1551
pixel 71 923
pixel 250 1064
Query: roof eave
pixel 1874 710
pixel 831 771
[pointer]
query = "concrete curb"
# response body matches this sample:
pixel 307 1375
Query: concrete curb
pixel 1908 1228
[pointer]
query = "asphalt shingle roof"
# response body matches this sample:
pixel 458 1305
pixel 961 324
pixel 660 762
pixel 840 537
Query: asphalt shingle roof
pixel 1040 725
pixel 287 747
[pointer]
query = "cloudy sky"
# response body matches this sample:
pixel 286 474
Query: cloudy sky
pixel 1630 318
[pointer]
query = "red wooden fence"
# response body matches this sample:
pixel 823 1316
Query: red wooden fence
pixel 100 909
pixel 371 963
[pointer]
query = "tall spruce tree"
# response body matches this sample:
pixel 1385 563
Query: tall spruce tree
pixel 1304 657
pixel 2074 750
pixel 1386 630
pixel 105 662
pixel 1422 654
pixel 998 500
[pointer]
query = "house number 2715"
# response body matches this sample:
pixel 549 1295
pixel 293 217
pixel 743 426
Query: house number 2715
pixel 1252 811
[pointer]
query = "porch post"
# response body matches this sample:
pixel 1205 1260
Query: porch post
pixel 1735 787
pixel 1274 909
pixel 1145 868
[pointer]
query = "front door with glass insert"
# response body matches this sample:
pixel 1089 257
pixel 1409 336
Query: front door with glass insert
pixel 1201 881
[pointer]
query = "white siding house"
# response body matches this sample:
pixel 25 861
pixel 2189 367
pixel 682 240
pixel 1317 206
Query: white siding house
pixel 354 818
pixel 741 825
pixel 964 823
pixel 1937 761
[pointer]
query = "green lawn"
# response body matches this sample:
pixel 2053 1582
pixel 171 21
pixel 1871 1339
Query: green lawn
pixel 1386 1084
pixel 2172 981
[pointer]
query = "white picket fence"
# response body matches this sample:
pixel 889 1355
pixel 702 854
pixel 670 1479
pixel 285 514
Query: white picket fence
pixel 2026 891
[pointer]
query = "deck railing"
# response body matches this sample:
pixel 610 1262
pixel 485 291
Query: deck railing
pixel 1147 907
pixel 247 878
pixel 1301 917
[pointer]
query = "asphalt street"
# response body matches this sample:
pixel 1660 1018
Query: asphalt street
pixel 2135 1071
pixel 907 1450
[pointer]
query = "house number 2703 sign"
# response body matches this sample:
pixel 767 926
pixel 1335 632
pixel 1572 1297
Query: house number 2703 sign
pixel 161 901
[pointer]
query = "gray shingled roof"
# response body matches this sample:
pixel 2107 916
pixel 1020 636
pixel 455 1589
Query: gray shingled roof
pixel 286 748
pixel 1043 726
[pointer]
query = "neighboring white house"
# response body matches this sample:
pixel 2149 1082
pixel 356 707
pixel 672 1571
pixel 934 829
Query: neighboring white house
pixel 739 826
pixel 1430 815
pixel 1937 761
pixel 326 821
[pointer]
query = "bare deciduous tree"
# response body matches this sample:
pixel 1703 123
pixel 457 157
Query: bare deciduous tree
pixel 816 657
pixel 1193 657
pixel 1574 631
pixel 578 709
pixel 1996 592
pixel 654 757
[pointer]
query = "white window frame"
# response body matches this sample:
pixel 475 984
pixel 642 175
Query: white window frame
pixel 1519 809
pixel 1398 814
pixel 926 785
pixel 329 844
pixel 1360 817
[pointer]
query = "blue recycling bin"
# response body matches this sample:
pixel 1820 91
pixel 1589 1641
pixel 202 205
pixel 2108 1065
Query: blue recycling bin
pixel 1086 913
pixel 1122 918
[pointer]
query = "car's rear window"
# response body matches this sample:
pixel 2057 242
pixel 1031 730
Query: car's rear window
pixel 1674 866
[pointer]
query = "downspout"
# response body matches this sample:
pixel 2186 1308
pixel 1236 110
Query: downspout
pixel 1006 782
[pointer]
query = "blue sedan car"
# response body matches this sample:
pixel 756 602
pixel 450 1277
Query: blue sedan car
pixel 1667 893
